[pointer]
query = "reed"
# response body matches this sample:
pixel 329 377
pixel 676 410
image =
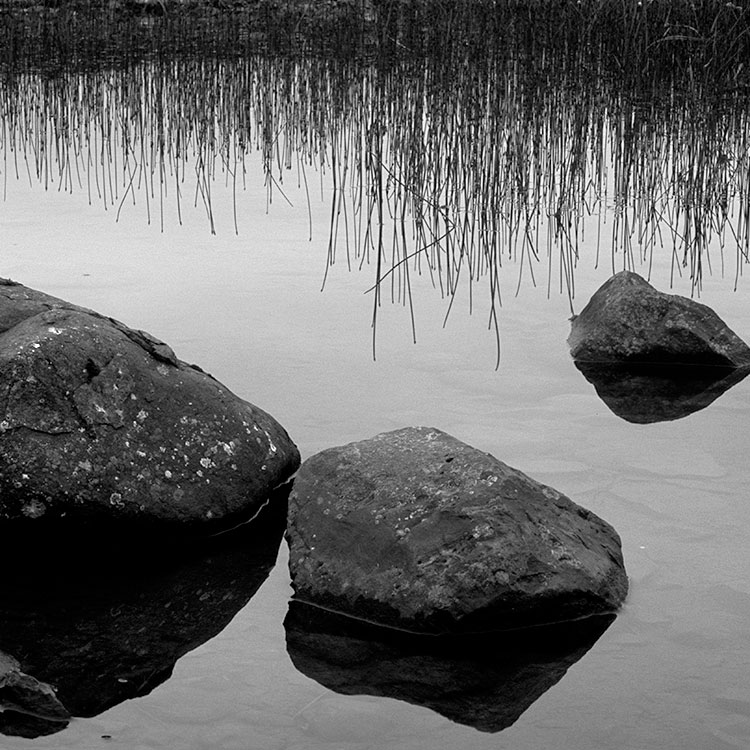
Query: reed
pixel 463 140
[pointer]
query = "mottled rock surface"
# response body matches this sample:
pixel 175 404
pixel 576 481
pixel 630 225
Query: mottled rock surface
pixel 415 529
pixel 627 320
pixel 102 423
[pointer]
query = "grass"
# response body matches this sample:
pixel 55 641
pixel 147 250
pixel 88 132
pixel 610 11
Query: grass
pixel 464 139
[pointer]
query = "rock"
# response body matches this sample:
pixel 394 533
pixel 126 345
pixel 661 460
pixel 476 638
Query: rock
pixel 416 530
pixel 485 682
pixel 627 320
pixel 28 707
pixel 102 425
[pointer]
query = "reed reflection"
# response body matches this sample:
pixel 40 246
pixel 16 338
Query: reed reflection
pixel 454 143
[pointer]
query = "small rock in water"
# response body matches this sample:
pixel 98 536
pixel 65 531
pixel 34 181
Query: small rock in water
pixel 414 529
pixel 629 321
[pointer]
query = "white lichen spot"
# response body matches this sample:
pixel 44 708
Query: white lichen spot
pixel 35 345
pixel 116 499
pixel 56 331
pixel 85 465
pixel 199 473
pixel 24 476
pixel 209 514
pixel 133 397
pixel 142 414
pixel 162 370
pixel 271 446
pixel 207 463
pixel 229 447
pixel 482 531
pixel 168 474
pixel 34 509
pixel 4 425
pixel 141 454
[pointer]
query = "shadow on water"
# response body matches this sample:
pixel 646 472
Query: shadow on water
pixel 485 681
pixel 650 393
pixel 106 629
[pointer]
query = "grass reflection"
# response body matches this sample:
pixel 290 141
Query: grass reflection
pixel 460 137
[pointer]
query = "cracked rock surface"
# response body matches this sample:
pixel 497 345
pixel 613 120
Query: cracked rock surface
pixel 417 530
pixel 102 423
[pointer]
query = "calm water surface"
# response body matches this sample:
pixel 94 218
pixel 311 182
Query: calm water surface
pixel 671 672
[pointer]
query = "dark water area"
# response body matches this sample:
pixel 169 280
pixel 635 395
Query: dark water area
pixel 463 175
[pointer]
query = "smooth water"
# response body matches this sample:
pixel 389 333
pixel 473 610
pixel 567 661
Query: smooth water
pixel 670 672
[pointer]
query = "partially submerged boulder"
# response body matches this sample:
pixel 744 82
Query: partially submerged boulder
pixel 416 530
pixel 102 424
pixel 627 320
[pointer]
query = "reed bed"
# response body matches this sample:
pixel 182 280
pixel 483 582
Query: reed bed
pixel 460 139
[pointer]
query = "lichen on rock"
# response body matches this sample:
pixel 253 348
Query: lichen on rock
pixel 415 529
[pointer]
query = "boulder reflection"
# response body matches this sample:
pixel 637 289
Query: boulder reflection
pixel 110 630
pixel 649 393
pixel 484 681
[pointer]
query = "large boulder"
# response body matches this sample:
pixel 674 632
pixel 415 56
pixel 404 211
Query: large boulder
pixel 102 426
pixel 627 320
pixel 416 530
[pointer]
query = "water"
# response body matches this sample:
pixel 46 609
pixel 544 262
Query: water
pixel 671 670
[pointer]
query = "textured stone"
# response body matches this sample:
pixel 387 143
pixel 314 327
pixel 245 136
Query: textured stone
pixel 415 529
pixel 101 423
pixel 627 320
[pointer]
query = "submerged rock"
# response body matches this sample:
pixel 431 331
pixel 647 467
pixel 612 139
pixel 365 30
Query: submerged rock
pixel 627 320
pixel 483 682
pixel 416 530
pixel 102 424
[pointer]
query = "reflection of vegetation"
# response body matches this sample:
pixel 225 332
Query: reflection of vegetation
pixel 459 135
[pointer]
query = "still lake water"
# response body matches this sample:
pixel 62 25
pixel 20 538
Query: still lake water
pixel 670 672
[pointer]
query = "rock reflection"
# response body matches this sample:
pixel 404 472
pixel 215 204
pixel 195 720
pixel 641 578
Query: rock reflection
pixel 111 630
pixel 484 681
pixel 649 393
